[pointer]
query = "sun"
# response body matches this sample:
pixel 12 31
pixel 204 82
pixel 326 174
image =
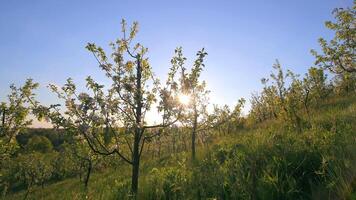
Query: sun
pixel 184 99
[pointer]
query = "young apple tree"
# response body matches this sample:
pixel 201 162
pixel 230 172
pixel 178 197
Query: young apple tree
pixel 112 118
pixel 14 118
pixel 193 93
pixel 338 55
pixel 195 97
pixel 14 114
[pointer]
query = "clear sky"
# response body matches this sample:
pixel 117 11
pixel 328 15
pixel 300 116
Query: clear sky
pixel 45 39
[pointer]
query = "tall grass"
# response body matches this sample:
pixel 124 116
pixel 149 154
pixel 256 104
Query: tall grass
pixel 266 161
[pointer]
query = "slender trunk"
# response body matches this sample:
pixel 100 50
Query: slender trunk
pixel 174 143
pixel 3 117
pixel 193 144
pixel 27 193
pixel 135 164
pixel 159 148
pixel 306 100
pixel 299 123
pixel 90 165
pixel 2 127
pixel 29 186
pixel 138 129
pixel 347 88
pixel 297 120
pixel 107 131
pixel 80 173
pixel 184 142
pixel 275 115
pixel 194 132
pixel 307 110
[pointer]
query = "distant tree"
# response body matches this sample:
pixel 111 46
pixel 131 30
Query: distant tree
pixel 194 89
pixel 269 96
pixel 345 83
pixel 272 102
pixel 195 97
pixel 66 164
pixel 34 168
pixel 40 144
pixel 223 119
pixel 338 55
pixel 14 114
pixel 314 87
pixel 282 101
pixel 258 108
pixel 279 81
pixel 83 156
pixel 236 118
pixel 56 136
pixel 294 96
pixel 14 118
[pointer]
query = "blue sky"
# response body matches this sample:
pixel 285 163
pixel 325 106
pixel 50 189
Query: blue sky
pixel 45 39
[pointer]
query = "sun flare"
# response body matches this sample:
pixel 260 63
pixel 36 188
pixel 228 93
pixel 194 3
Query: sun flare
pixel 184 99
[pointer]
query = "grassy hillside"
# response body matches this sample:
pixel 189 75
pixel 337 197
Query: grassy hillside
pixel 264 161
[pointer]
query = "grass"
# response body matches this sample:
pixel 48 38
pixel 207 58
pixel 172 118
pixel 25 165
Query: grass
pixel 266 161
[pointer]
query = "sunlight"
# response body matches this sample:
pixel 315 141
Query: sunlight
pixel 184 99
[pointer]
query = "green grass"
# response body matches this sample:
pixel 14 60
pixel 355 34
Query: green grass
pixel 266 161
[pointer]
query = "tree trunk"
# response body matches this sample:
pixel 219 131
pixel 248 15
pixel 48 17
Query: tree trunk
pixel 3 117
pixel 184 141
pixel 138 129
pixel 194 132
pixel 90 165
pixel 159 148
pixel 135 164
pixel 80 172
pixel 306 100
pixel 174 143
pixel 28 190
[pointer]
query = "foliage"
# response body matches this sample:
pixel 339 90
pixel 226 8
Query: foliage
pixel 289 102
pixel 14 118
pixel 195 111
pixel 338 55
pixel 113 121
pixel 40 144
pixel 14 115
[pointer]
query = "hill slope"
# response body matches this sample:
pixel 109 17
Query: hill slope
pixel 266 161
